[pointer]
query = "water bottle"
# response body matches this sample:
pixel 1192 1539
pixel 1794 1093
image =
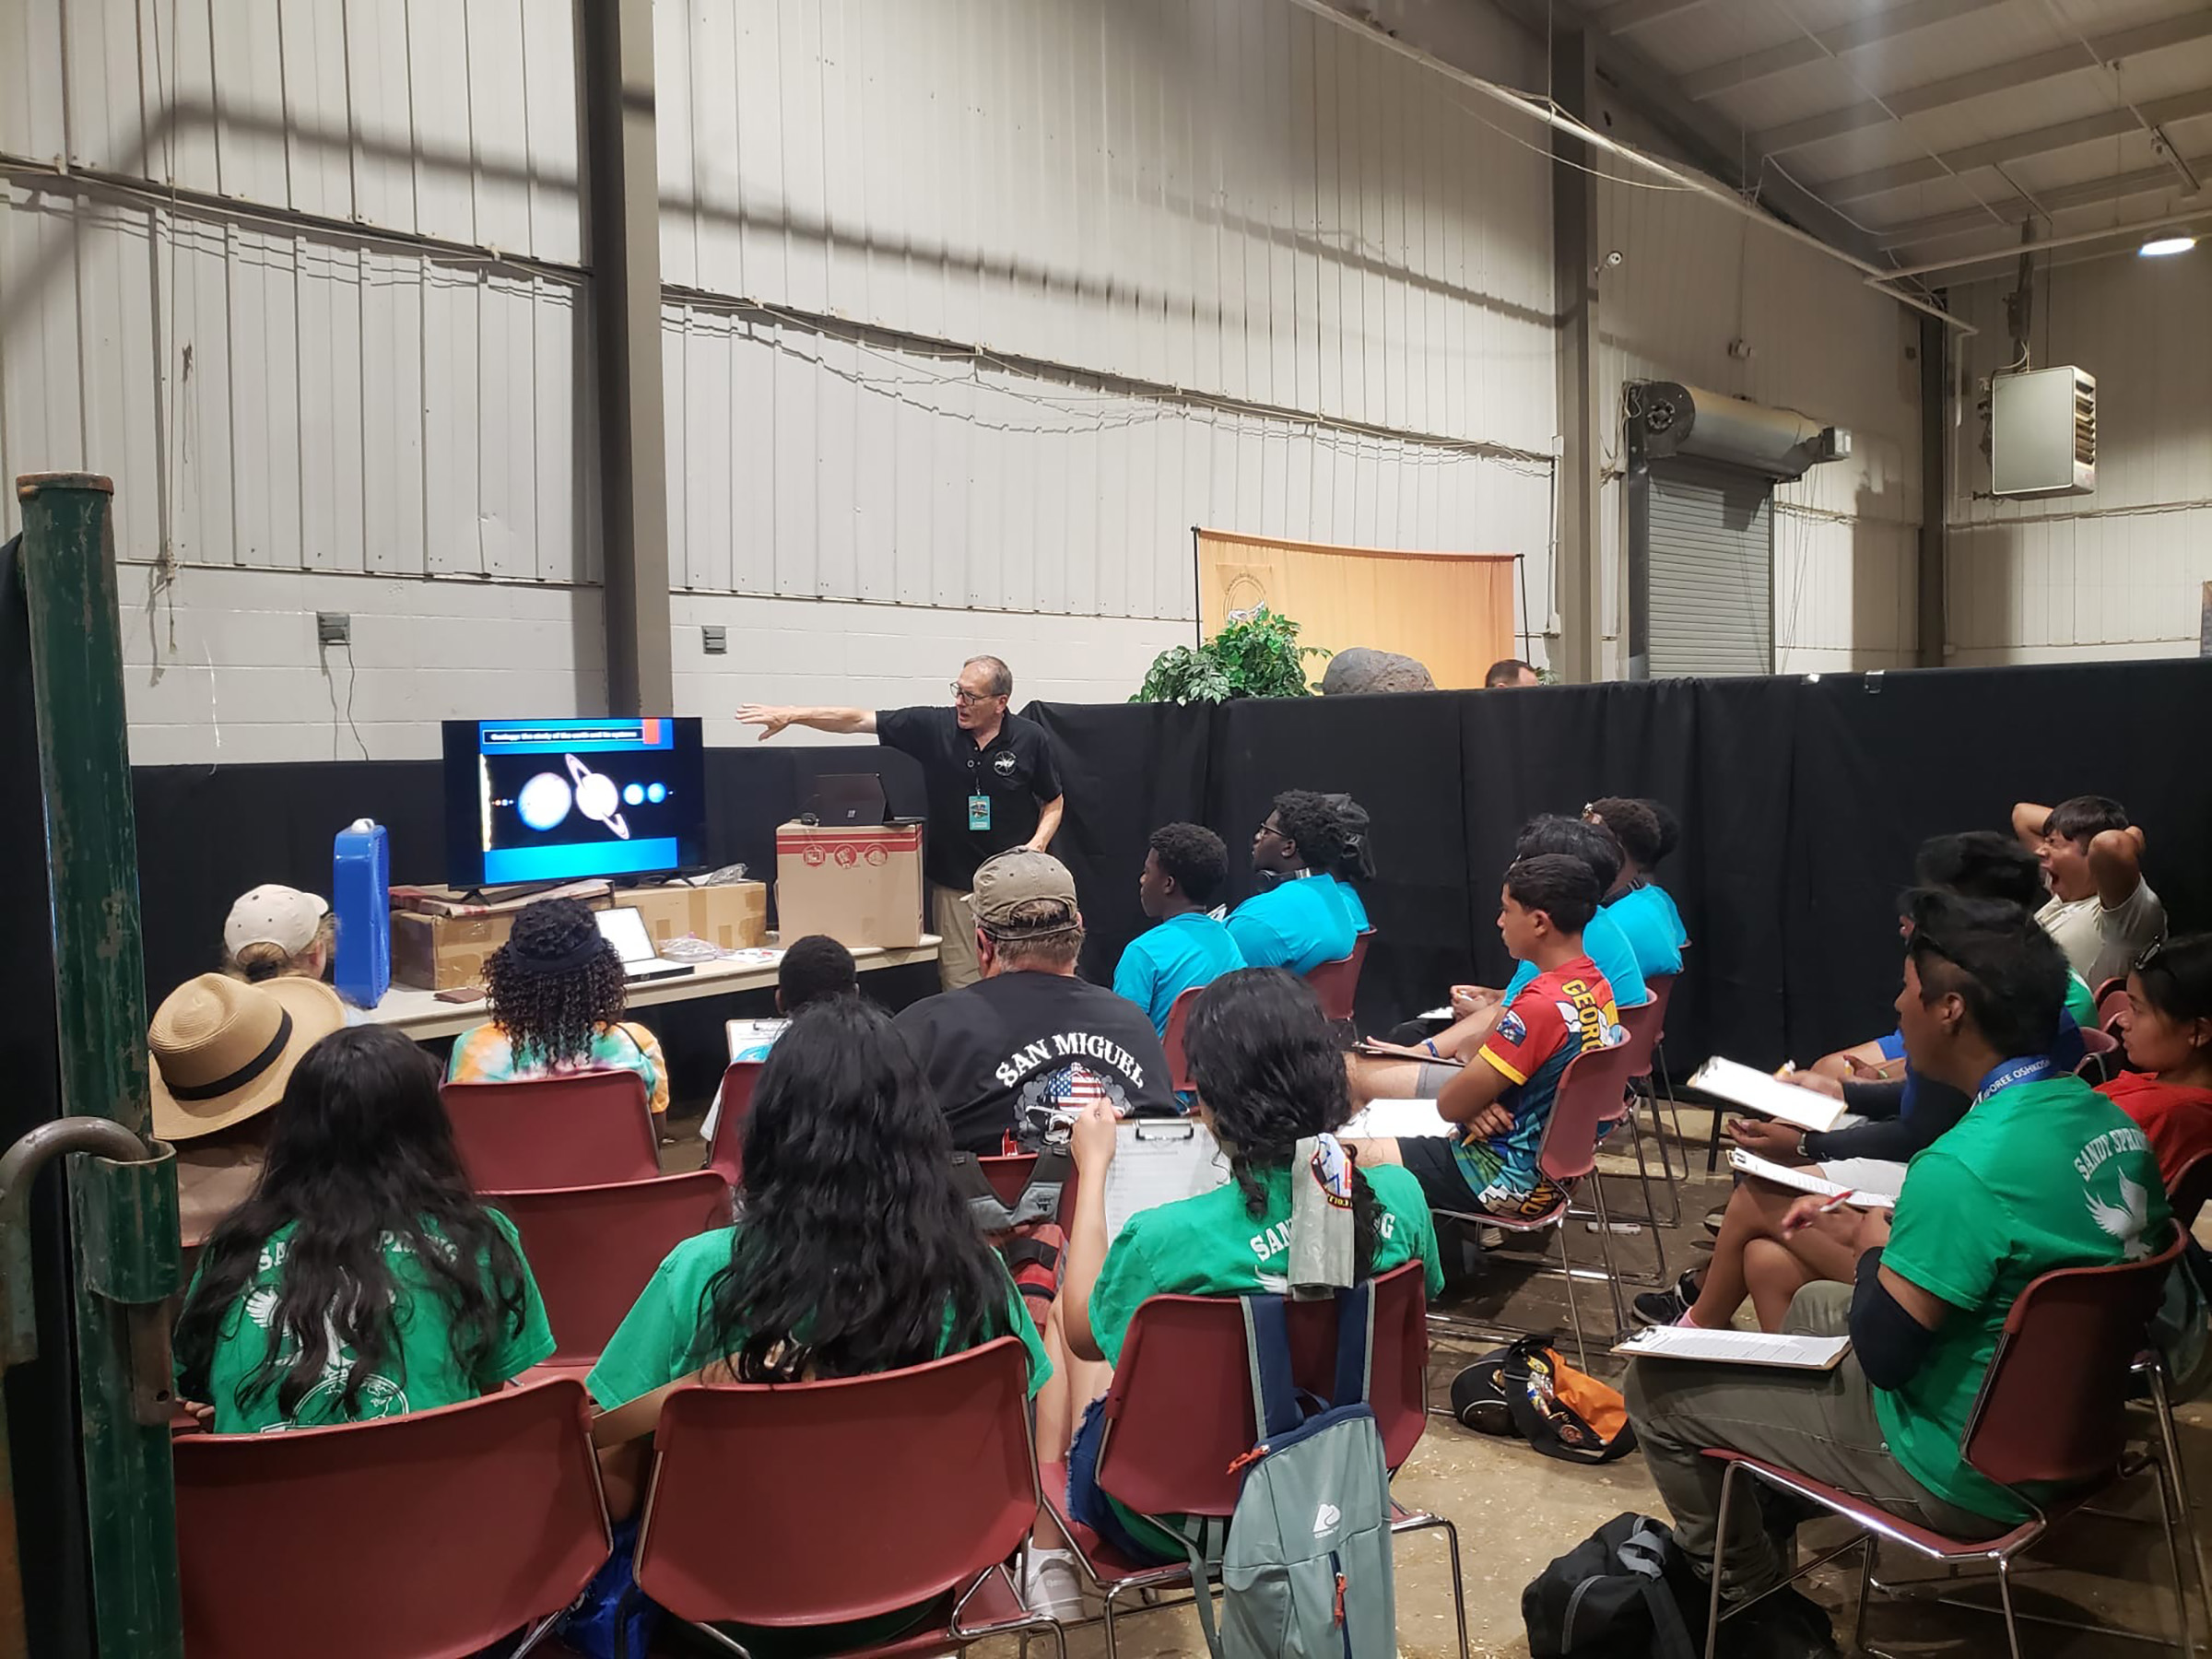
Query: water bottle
pixel 361 892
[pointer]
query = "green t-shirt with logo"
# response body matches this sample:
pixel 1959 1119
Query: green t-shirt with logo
pixel 417 1372
pixel 1213 1245
pixel 2081 1002
pixel 658 1339
pixel 2038 1176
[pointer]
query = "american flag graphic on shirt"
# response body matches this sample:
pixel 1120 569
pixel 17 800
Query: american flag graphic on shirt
pixel 1076 1086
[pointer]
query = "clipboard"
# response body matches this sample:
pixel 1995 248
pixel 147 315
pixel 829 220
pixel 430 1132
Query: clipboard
pixel 1157 1161
pixel 1736 1348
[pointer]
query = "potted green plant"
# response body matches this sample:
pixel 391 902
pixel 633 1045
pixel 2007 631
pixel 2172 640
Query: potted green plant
pixel 1257 655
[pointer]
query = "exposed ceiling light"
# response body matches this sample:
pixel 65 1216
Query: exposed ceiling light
pixel 2160 246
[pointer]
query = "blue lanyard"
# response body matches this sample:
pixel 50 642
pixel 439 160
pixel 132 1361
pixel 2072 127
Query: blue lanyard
pixel 2010 1072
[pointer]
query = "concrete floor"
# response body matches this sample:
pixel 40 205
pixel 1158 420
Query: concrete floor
pixel 1516 1511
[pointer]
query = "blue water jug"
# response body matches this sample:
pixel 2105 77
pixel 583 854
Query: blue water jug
pixel 361 892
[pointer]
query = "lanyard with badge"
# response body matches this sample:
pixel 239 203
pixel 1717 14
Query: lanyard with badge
pixel 2011 1073
pixel 979 803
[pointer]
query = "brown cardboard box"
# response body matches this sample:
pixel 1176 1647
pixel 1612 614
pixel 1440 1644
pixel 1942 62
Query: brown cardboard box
pixel 441 952
pixel 734 915
pixel 861 886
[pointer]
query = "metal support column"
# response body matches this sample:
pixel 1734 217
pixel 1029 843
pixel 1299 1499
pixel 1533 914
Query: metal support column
pixel 615 65
pixel 1574 288
pixel 122 1208
pixel 1934 486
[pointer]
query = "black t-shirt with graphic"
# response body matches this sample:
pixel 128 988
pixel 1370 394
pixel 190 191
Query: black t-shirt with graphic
pixel 1014 772
pixel 992 1050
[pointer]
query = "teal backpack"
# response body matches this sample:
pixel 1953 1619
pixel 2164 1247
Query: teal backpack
pixel 1306 1572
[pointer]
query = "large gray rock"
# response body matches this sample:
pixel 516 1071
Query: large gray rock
pixel 1360 669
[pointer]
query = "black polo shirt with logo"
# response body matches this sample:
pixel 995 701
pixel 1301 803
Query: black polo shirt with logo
pixel 1014 772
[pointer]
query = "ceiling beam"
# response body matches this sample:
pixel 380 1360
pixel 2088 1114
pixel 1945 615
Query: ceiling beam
pixel 1636 14
pixel 1979 83
pixel 2089 193
pixel 1868 30
pixel 2018 147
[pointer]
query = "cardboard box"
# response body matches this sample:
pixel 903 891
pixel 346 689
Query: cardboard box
pixel 861 886
pixel 440 952
pixel 733 916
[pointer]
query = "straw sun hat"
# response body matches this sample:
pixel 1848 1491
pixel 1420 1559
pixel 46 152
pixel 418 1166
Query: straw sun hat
pixel 223 1049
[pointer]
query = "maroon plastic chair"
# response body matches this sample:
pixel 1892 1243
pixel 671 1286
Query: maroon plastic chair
pixel 427 1535
pixel 813 1503
pixel 1337 984
pixel 2053 1408
pixel 2113 1001
pixel 1168 1448
pixel 2185 1194
pixel 593 1248
pixel 1641 1024
pixel 1587 1101
pixel 2101 1057
pixel 1179 1017
pixel 734 1104
pixel 576 1130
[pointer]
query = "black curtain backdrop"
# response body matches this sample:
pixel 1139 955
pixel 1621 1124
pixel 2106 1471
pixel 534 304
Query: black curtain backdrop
pixel 1802 801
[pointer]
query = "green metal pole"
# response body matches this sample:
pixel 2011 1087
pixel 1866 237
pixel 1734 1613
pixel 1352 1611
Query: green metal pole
pixel 123 1216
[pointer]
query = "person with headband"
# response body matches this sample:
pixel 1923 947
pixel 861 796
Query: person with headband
pixel 276 931
pixel 555 990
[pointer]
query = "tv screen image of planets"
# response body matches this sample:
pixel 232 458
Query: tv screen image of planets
pixel 564 800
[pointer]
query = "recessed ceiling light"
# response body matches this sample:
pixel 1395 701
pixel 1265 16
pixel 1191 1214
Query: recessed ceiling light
pixel 2158 247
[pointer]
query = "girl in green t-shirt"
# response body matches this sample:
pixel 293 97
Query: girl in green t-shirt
pixel 362 1278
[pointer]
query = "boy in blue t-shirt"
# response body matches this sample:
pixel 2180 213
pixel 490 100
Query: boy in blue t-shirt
pixel 1501 1099
pixel 1301 922
pixel 1636 905
pixel 1185 868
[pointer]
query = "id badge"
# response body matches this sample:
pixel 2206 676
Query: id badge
pixel 979 812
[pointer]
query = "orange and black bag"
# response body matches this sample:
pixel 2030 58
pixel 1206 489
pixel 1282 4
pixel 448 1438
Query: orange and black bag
pixel 1529 1391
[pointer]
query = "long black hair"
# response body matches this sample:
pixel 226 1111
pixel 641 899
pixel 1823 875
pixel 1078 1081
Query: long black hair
pixel 1265 1063
pixel 852 1252
pixel 360 1160
pixel 555 983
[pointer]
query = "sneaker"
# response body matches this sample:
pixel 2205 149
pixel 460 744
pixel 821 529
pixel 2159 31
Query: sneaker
pixel 1713 1220
pixel 1489 1238
pixel 1666 1307
pixel 1053 1585
pixel 1785 1625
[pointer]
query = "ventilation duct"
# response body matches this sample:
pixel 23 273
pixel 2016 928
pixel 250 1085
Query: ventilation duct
pixel 1694 424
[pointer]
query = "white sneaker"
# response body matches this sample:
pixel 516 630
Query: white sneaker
pixel 1053 1585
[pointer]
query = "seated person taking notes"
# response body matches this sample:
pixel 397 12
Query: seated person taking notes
pixel 1186 868
pixel 1029 1041
pixel 2041 1173
pixel 1502 1099
pixel 1300 922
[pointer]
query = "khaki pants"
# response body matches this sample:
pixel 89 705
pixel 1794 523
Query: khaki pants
pixel 1820 1424
pixel 952 919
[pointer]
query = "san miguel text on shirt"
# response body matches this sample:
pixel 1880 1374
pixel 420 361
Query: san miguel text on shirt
pixel 1069 1045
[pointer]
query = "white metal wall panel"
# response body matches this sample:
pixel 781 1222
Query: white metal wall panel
pixel 2119 572
pixel 1693 278
pixel 1230 195
pixel 455 118
pixel 816 468
pixel 1712 571
pixel 309 406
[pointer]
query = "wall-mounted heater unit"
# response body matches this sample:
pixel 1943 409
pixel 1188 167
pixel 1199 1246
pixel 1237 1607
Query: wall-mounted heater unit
pixel 2042 439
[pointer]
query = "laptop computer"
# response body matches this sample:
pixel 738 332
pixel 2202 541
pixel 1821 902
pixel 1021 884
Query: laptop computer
pixel 848 800
pixel 624 929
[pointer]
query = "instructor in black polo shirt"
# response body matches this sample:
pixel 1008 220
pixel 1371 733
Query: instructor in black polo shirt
pixel 991 786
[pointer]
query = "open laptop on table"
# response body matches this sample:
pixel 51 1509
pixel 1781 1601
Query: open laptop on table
pixel 624 929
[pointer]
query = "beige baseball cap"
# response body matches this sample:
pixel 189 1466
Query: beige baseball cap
pixel 1013 879
pixel 272 914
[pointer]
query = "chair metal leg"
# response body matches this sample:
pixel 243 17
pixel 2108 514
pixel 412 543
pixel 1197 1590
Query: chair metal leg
pixel 1459 1588
pixel 1651 1208
pixel 1605 1251
pixel 1858 1605
pixel 1574 1308
pixel 2184 1510
pixel 2173 1561
pixel 1720 1551
pixel 538 1632
pixel 1666 1162
pixel 1112 1594
pixel 2012 1628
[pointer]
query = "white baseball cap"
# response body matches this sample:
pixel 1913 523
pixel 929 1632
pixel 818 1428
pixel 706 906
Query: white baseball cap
pixel 281 916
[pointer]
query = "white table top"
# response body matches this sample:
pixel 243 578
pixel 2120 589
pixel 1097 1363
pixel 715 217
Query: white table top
pixel 421 1015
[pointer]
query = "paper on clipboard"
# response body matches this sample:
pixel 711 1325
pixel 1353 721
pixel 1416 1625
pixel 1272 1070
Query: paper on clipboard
pixel 1748 1087
pixel 1400 1120
pixel 1736 1348
pixel 1750 1163
pixel 1158 1160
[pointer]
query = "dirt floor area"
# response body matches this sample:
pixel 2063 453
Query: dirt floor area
pixel 1516 1511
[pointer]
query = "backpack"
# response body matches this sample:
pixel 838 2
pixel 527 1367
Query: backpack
pixel 1306 1571
pixel 1527 1390
pixel 1620 1594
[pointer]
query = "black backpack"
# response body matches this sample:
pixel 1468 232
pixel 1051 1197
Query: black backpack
pixel 1625 1591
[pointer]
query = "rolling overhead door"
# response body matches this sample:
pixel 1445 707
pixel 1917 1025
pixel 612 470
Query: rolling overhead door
pixel 1712 570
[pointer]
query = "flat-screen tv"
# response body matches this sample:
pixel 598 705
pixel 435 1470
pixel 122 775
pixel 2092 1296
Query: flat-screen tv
pixel 563 800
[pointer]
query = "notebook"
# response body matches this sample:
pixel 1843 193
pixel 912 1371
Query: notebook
pixel 1749 1088
pixel 1736 1348
pixel 1804 1180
